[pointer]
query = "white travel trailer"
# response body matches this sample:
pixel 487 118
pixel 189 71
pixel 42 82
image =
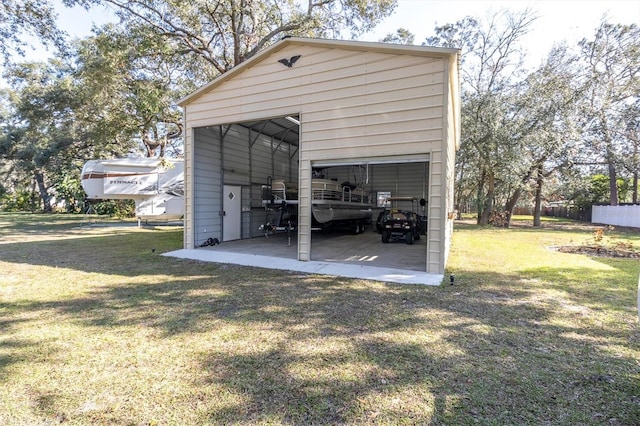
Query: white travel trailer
pixel 156 186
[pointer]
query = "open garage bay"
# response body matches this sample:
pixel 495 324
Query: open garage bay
pixel 365 249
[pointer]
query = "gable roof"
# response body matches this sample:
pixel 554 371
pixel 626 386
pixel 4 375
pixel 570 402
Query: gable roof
pixel 326 43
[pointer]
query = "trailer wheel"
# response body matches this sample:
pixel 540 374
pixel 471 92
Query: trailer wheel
pixel 363 227
pixel 356 228
pixel 385 236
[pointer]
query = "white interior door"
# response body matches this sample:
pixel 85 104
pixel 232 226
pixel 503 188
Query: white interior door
pixel 232 209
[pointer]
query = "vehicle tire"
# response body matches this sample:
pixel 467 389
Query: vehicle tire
pixel 409 237
pixel 417 237
pixel 385 236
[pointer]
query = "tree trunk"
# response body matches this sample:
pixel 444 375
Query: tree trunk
pixel 635 173
pixel 489 200
pixel 479 197
pixel 613 183
pixel 44 195
pixel 537 210
pixel 458 191
pixel 511 204
pixel 513 200
pixel 635 187
pixel 610 156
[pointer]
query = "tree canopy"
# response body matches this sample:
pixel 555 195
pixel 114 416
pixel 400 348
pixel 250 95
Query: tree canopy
pixel 612 76
pixel 520 127
pixel 224 33
pixel 526 134
pixel 116 90
pixel 492 143
pixel 20 19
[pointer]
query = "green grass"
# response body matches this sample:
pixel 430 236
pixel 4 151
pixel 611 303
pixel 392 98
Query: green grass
pixel 99 329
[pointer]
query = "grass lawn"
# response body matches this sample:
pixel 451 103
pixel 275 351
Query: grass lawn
pixel 98 328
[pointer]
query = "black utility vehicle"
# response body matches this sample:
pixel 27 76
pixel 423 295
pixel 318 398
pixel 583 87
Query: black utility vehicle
pixel 394 223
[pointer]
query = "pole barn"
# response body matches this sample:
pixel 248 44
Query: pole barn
pixel 384 116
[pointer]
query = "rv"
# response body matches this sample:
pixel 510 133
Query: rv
pixel 155 185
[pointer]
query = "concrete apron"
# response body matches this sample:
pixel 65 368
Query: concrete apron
pixel 361 256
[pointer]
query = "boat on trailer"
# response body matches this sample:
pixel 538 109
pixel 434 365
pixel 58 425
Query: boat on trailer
pixel 333 204
pixel 155 185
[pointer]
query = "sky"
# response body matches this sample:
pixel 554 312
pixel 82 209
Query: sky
pixel 568 20
pixel 558 20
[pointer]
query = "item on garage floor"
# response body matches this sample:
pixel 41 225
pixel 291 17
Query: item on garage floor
pixel 396 223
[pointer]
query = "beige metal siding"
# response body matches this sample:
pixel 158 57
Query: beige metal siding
pixel 452 123
pixel 304 211
pixel 352 104
pixel 321 82
pixel 435 221
pixel 188 233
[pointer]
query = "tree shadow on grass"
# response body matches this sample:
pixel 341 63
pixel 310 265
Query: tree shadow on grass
pixel 499 342
pixel 502 362
pixel 13 351
pixel 305 349
pixel 284 386
pixel 126 252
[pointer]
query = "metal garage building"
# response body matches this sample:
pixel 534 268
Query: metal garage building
pixel 390 113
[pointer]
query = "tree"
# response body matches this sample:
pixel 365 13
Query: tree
pixel 19 18
pixel 545 113
pixel 631 159
pixel 491 60
pixel 612 68
pixel 129 87
pixel 54 120
pixel 39 127
pixel 595 190
pixel 223 33
pixel 402 36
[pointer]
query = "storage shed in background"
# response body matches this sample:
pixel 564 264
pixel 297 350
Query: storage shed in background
pixel 390 111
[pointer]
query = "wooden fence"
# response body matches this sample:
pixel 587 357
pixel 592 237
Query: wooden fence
pixel 569 212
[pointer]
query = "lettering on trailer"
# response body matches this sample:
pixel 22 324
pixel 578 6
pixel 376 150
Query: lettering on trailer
pixel 131 183
pixel 124 182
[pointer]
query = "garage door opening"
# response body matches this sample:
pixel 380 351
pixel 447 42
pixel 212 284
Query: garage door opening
pixel 231 165
pixel 246 178
pixel 346 241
